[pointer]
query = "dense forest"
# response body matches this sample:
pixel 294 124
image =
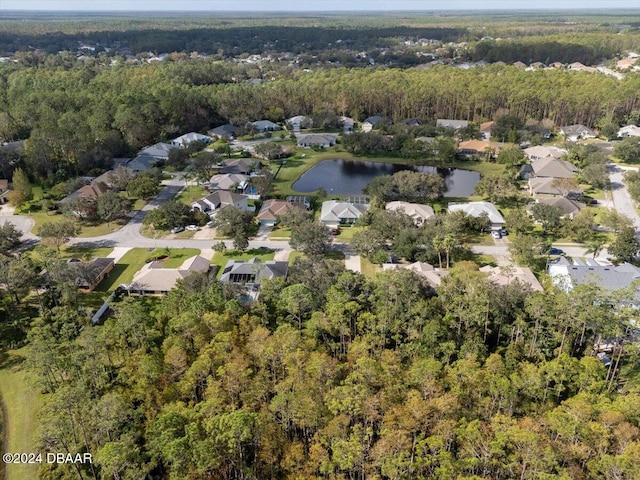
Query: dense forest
pixel 335 376
pixel 76 118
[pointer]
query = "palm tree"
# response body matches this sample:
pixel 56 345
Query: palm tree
pixel 448 242
pixel 437 245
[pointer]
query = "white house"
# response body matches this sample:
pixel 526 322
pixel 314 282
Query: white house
pixel 323 140
pixel 187 138
pixel 418 212
pixel 577 132
pixel 629 131
pixel 478 209
pixel 448 123
pixel 153 279
pixel 568 273
pixel 299 122
pixel 221 199
pixel 227 181
pixel 335 213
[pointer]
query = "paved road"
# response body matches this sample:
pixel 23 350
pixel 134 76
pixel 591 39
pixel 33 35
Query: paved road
pixel 621 198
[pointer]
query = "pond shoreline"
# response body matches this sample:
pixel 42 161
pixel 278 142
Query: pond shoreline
pixel 340 176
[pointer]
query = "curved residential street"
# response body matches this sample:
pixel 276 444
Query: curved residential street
pixel 129 236
pixel 620 194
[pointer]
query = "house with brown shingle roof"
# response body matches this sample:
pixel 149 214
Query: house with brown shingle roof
pixel 271 210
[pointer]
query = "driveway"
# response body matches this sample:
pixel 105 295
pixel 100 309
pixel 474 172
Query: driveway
pixel 620 194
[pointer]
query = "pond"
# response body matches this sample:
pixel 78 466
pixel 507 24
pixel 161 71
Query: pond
pixel 346 177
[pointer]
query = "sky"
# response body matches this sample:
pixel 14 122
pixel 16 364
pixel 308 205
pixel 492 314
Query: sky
pixel 313 5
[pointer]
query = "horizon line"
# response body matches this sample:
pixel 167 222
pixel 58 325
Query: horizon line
pixel 410 10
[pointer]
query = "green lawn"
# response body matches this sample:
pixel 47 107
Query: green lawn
pixel 369 269
pixel 21 402
pixel 221 258
pixel 177 256
pixel 191 194
pixel 124 270
pixel 85 252
pixel 280 232
pixel 347 233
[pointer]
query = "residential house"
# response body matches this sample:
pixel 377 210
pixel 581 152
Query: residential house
pixel 478 209
pixel 579 67
pixel 629 131
pixel 251 273
pixel 455 124
pixel 554 168
pixel 568 273
pixel 262 126
pixel 183 140
pixel 412 122
pixel 220 199
pixel 519 64
pixel 568 207
pixel 547 187
pixel 507 275
pixel 222 131
pixel 335 213
pixel 229 181
pixel 418 212
pixel 88 192
pixel 158 150
pixel 485 130
pixel 271 210
pixel 478 148
pixel 4 191
pixel 371 122
pixel 142 163
pixel 239 165
pixel 347 124
pixel 574 133
pixel 556 65
pixel 539 152
pixel 91 273
pixel 317 140
pixel 537 65
pixel 433 275
pixel 299 122
pixel 626 63
pixel 154 279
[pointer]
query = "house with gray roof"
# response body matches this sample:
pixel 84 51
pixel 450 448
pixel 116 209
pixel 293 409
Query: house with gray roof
pixel 568 273
pixel 299 122
pixel 154 279
pixel 142 163
pixel 372 121
pixel 629 131
pixel 554 168
pixel 159 150
pixel 262 126
pixel 239 165
pixel 503 276
pixel 577 132
pixel 478 209
pixel 251 273
pixel 229 181
pixel 567 206
pixel 323 140
pixel 226 130
pixel 545 187
pixel 221 199
pixel 335 213
pixel 184 140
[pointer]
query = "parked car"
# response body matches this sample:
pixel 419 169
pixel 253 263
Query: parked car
pixel 209 224
pixel 177 229
pixel 503 232
pixel 335 231
pixel 556 251
pixel 193 228
pixel 593 201
pixel 496 235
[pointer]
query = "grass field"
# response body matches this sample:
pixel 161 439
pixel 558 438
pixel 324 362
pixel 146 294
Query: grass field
pixel 124 270
pixel 177 256
pixel 20 407
pixel 191 194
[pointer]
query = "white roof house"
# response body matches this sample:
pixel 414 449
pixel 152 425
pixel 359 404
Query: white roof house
pixel 221 199
pixel 541 151
pixel 187 138
pixel 153 279
pixel 629 131
pixel 418 212
pixel 299 122
pixel 576 132
pixel 226 181
pixel 477 209
pixel 568 273
pixel 507 275
pixel 335 213
pixel 448 123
